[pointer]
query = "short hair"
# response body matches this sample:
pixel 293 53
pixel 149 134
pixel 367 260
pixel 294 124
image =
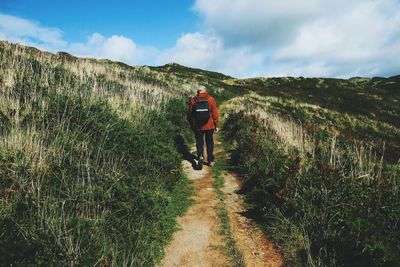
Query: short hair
pixel 201 88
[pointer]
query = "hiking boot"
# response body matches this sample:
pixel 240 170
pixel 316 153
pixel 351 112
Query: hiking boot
pixel 211 163
pixel 201 161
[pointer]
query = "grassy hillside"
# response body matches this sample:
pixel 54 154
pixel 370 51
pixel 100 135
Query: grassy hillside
pixel 376 98
pixel 215 82
pixel 319 160
pixel 89 170
pixel 322 177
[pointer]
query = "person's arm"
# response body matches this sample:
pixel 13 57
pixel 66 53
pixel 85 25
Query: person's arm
pixel 189 115
pixel 215 115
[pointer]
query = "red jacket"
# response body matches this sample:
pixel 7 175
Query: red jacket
pixel 214 117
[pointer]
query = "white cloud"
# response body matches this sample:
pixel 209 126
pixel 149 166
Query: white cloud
pixel 207 51
pixel 309 69
pixel 30 33
pixel 335 38
pixel 194 49
pixel 357 35
pixel 120 48
pixel 117 48
pixel 2 37
pixel 259 23
pixel 313 37
pixel 362 41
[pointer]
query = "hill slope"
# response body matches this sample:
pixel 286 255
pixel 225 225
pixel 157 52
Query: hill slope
pixel 321 176
pixel 90 171
pixel 319 159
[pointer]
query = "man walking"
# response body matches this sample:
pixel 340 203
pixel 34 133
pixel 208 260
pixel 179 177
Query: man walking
pixel 203 119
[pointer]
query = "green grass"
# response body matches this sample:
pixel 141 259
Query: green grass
pixel 315 118
pixel 320 163
pixel 90 173
pixel 235 255
pixel 317 156
pixel 214 81
pixel 375 98
pixel 334 205
pixel 89 169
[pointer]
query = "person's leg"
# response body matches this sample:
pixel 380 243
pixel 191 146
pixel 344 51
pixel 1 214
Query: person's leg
pixel 199 143
pixel 210 145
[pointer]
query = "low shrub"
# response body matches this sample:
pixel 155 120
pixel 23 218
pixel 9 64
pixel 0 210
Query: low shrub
pixel 105 191
pixel 320 213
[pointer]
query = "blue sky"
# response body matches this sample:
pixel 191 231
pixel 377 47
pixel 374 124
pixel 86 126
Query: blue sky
pixel 242 38
pixel 150 22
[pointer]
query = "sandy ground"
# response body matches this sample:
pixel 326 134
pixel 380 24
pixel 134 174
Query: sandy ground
pixel 196 244
pixel 256 248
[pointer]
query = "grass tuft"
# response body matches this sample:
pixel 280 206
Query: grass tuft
pixel 235 255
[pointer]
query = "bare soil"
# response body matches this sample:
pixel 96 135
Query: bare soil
pixel 198 242
pixel 195 244
pixel 256 248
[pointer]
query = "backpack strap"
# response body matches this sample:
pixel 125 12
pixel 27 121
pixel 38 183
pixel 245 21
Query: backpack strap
pixel 196 98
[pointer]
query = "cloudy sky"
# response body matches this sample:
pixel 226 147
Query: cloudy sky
pixel 242 38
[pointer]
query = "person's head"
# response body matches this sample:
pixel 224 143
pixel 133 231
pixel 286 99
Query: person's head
pixel 201 89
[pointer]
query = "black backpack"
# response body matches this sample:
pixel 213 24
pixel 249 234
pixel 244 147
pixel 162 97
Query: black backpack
pixel 200 112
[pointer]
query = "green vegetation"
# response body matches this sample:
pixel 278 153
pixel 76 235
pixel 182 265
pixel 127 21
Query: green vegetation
pixel 90 173
pixel 360 108
pixel 234 254
pixel 376 98
pixel 373 132
pixel 326 200
pixel 320 164
pixel 215 82
pixel 89 170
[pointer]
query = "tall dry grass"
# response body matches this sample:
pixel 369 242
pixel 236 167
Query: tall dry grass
pixel 85 160
pixel 326 199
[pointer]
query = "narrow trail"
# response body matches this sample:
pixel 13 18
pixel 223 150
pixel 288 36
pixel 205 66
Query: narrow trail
pixel 199 242
pixel 194 244
pixel 256 248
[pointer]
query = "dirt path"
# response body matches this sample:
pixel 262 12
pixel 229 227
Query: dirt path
pixel 256 248
pixel 198 242
pixel 195 244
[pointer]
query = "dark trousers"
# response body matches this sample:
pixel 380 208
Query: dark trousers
pixel 209 143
